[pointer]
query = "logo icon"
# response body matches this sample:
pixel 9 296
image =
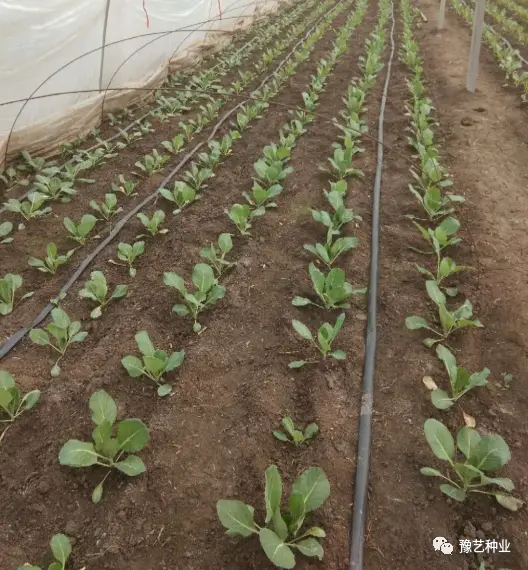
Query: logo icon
pixel 440 543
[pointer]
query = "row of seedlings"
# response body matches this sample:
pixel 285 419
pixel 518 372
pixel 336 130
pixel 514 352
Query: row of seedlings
pixel 182 193
pixel 474 458
pixel 115 446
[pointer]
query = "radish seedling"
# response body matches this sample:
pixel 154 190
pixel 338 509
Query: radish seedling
pixel 52 261
pixel 108 208
pixel 8 287
pixel 450 321
pixel 181 195
pixel 208 292
pixel 152 163
pixel 79 232
pixel 175 144
pixel 325 337
pixel 196 176
pixel 217 257
pixel 58 335
pixel 309 492
pixel 294 435
pixel 129 253
pixel 459 379
pixel 5 229
pixel 106 450
pixel 153 225
pixel 126 187
pixel 332 289
pixel 331 250
pixel 30 208
pixel 483 455
pixel 155 363
pixel 61 549
pixel 96 289
pixel 11 399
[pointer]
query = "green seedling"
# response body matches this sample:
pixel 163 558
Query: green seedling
pixel 332 289
pixel 12 401
pixel 434 202
pixel 9 177
pixel 188 128
pixel 30 208
pixel 155 363
pixel 152 163
pixel 294 435
pixel 126 187
pixel 52 261
pixel 241 215
pixel 304 117
pixel 450 321
pixel 483 455
pixel 262 198
pixel 242 121
pixel 108 147
pixel 128 253
pixel 71 172
pixel 330 251
pixel 295 128
pixel 108 208
pixel 153 225
pixel 96 289
pixel 208 292
pixel 61 549
pixel 79 232
pixel 440 237
pixel 8 287
pixel 145 127
pixel 309 492
pixel 174 145
pixel 216 254
pixel 5 229
pixel 325 337
pixel 460 380
pixel 36 164
pixel 129 136
pixel 106 450
pixel 342 159
pixel 196 176
pixel 226 143
pixel 181 195
pixel 271 172
pixel 113 119
pixel 507 378
pixel 54 188
pixel 445 268
pixel 171 106
pixel 59 335
pixel 340 216
pixel 209 159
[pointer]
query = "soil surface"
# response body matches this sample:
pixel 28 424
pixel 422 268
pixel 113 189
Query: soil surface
pixel 212 437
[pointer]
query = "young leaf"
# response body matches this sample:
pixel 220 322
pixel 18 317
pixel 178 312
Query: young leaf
pixel 276 550
pixel 273 491
pixel 439 439
pixel 236 517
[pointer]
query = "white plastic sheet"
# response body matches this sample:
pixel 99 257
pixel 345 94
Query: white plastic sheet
pixel 57 43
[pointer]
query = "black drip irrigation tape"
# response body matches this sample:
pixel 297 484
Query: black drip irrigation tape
pixel 357 537
pixel 16 337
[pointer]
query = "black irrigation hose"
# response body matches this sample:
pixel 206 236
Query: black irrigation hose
pixel 357 537
pixel 16 337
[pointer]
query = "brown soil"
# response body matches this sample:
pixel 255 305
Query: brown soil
pixel 212 438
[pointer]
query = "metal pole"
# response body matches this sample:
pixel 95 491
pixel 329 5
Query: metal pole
pixel 103 45
pixel 476 40
pixel 441 14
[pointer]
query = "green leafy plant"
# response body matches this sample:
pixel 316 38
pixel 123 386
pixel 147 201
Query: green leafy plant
pixel 126 187
pixel 129 136
pixel 181 195
pixel 5 229
pixel 483 455
pixel 342 159
pixel 445 268
pixel 12 401
pixel 294 435
pixel 209 159
pixel 325 337
pixel 341 215
pixel 152 163
pixel 331 250
pixel 153 224
pixel 128 253
pixel 96 289
pixel 332 289
pixel 309 492
pixel 216 254
pixel 71 172
pixel 59 335
pixel 30 208
pixel 154 364
pixel 262 198
pixel 434 202
pixel 196 176
pixel 54 188
pixel 450 321
pixel 106 450
pixel 52 261
pixel 79 232
pixel 8 287
pixel 208 292
pixel 241 215
pixel 440 237
pixel 108 208
pixel 175 144
pixel 36 164
pixel 61 549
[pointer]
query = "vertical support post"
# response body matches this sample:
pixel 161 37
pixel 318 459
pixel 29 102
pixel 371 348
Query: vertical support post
pixel 441 14
pixel 476 40
pixel 107 9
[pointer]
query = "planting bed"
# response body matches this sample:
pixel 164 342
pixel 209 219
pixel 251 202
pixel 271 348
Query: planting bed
pixel 211 438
